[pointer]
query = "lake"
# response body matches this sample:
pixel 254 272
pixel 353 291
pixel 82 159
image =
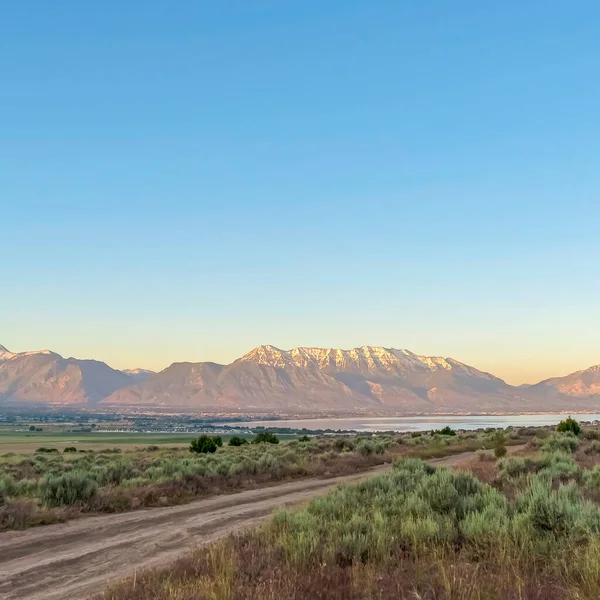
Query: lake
pixel 422 423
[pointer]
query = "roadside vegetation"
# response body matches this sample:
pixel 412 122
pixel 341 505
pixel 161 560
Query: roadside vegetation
pixel 524 527
pixel 50 486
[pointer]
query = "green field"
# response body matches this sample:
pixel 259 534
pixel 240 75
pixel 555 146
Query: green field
pixel 26 441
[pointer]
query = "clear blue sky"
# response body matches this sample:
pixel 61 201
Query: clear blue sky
pixel 187 180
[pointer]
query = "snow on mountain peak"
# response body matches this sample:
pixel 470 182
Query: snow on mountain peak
pixel 363 358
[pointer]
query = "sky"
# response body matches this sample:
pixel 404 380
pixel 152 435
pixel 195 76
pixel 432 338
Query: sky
pixel 188 180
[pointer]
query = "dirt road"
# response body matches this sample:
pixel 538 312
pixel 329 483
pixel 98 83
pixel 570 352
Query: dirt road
pixel 71 561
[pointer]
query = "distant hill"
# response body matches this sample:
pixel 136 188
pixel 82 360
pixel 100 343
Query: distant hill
pixel 369 379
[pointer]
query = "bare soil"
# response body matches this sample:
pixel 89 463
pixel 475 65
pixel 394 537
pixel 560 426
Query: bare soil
pixel 77 559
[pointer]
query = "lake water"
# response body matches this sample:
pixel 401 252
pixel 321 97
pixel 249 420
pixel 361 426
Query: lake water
pixel 422 423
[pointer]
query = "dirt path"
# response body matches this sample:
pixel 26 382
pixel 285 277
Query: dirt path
pixel 74 560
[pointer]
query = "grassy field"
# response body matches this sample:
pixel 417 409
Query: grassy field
pixel 519 528
pixel 27 442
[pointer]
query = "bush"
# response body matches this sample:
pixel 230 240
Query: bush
pixel 365 448
pixel 70 449
pixel 445 431
pixel 593 448
pixel 592 479
pixel 550 511
pixel 567 425
pixel 304 438
pixel 500 451
pixel 68 489
pixel 203 445
pixel 415 434
pixel 43 450
pixel 8 488
pixel 560 442
pixel 341 444
pixel 265 437
pixel 218 441
pixel 237 441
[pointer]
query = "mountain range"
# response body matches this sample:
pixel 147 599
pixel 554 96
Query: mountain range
pixel 267 380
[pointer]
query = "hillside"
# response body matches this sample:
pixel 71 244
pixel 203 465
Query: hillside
pixel 581 384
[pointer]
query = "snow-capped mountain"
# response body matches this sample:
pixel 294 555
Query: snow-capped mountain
pixel 139 375
pixel 370 378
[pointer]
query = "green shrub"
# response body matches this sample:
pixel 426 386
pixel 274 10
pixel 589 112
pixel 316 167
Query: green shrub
pixel 547 510
pixel 515 467
pixel 415 434
pixel 500 451
pixel 592 478
pixel 8 488
pixel 341 444
pixel 68 489
pixel 567 425
pixel 445 431
pixel 237 441
pixel 203 445
pixel 265 437
pixel 43 450
pixel 558 465
pixel 304 438
pixel 116 472
pixel 218 441
pixel 561 442
pixel 70 449
pixel 365 447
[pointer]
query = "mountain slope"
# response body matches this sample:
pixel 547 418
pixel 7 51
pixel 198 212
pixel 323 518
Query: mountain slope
pixel 581 384
pixel 47 377
pixel 181 385
pixel 367 379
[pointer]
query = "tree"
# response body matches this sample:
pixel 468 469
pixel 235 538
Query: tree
pixel 569 425
pixel 203 445
pixel 265 437
pixel 32 428
pixel 304 438
pixel 218 441
pixel 445 431
pixel 237 441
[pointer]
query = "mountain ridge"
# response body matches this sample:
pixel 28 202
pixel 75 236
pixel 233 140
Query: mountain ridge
pixel 302 380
